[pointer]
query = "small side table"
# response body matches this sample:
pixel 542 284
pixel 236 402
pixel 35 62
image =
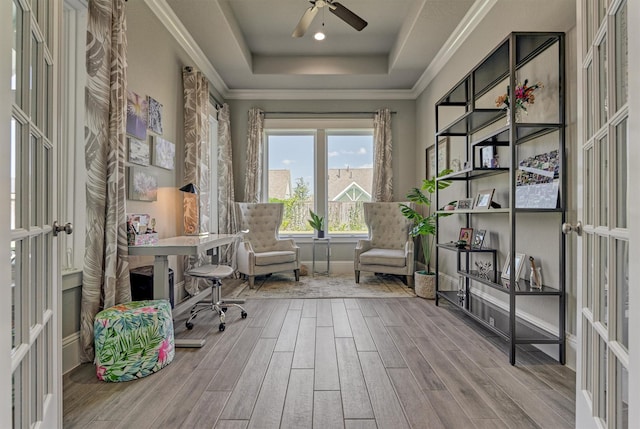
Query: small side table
pixel 321 242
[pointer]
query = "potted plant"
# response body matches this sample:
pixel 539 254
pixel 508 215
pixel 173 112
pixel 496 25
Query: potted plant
pixel 424 226
pixel 317 223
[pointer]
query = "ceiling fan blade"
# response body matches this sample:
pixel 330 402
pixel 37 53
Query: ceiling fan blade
pixel 305 22
pixel 347 16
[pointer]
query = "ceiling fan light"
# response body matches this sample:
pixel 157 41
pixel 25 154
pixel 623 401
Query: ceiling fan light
pixel 319 36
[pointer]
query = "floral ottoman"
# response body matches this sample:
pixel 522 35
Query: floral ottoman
pixel 133 340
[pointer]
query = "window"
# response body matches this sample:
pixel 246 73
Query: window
pixel 325 166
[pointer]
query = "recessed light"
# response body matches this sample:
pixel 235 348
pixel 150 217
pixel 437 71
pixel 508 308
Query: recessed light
pixel 319 35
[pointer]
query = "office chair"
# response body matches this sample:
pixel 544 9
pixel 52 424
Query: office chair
pixel 215 274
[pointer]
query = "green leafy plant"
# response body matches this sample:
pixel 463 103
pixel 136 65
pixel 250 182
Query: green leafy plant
pixel 316 222
pixel 424 226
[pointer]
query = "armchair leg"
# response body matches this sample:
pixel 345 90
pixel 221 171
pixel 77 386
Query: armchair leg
pixel 357 276
pixel 296 272
pixel 410 281
pixel 251 281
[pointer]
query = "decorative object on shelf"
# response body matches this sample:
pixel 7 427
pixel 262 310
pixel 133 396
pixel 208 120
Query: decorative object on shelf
pixel 434 166
pixel 465 204
pixel 461 290
pixel 455 164
pixel 483 200
pixel 317 223
pixel 466 165
pixel 138 151
pixel 460 244
pixel 484 269
pixel 451 207
pixel 538 181
pixel 155 115
pixel 143 186
pixel 524 96
pixel 478 238
pixel 465 235
pixel 164 153
pixel 535 277
pixel 487 155
pixel 425 226
pixel 506 270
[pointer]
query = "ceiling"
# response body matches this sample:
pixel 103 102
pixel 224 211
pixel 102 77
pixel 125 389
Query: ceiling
pixel 249 43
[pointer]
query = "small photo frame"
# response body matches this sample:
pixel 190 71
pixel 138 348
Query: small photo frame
pixel 465 204
pixel 487 157
pixel 435 166
pixel 483 200
pixel 478 239
pixel 506 270
pixel 466 234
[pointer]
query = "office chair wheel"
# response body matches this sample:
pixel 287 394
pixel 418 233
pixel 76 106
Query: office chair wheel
pixel 189 325
pixel 221 327
pixel 243 314
pixel 224 309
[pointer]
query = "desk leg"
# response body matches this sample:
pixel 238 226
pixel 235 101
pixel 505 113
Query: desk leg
pixel 161 291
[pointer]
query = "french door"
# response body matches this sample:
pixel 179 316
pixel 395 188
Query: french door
pixel 34 298
pixel 603 141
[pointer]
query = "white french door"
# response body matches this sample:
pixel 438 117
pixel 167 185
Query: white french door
pixel 34 279
pixel 603 178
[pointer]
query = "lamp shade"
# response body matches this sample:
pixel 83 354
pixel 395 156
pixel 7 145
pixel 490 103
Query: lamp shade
pixel 189 188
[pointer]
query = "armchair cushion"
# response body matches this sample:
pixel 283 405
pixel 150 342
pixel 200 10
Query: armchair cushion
pixel 389 257
pixel 277 257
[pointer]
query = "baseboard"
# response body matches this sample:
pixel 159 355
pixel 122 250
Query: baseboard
pixel 71 352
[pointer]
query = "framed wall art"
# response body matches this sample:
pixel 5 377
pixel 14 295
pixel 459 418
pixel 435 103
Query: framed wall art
pixel 164 153
pixel 138 151
pixel 143 185
pixel 137 111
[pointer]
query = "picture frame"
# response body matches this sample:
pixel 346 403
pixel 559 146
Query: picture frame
pixel 139 151
pixel 143 185
pixel 465 204
pixel 506 269
pixel 483 200
pixel 466 234
pixel 487 157
pixel 434 167
pixel 478 238
pixel 154 115
pixel 137 115
pixel 164 153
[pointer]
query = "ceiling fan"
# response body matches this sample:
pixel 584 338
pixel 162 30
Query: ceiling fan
pixel 334 7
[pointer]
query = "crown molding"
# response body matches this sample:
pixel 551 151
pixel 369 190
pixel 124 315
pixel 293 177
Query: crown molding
pixel 320 94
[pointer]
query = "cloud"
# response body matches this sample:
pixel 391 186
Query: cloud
pixel 366 166
pixel 361 151
pixel 288 161
pixel 331 154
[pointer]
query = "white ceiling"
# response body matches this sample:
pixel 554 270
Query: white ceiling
pixel 249 43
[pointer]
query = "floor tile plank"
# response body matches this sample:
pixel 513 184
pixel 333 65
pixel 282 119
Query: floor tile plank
pixel 361 335
pixel 327 412
pixel 324 317
pixel 326 365
pixel 298 404
pixel 267 412
pixel 355 398
pixel 304 354
pixel 287 338
pixel 417 407
pixel 341 327
pixel 388 351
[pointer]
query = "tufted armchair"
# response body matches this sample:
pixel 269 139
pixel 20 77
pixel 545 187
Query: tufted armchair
pixel 389 248
pixel 261 251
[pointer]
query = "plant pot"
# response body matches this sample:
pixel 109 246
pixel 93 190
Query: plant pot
pixel 425 284
pixel 320 233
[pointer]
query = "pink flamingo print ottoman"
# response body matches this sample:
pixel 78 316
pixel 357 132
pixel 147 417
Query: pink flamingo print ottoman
pixel 133 340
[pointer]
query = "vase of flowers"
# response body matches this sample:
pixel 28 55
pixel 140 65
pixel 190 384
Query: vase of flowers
pixel 524 96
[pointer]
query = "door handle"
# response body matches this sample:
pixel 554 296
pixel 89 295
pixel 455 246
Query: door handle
pixel 577 228
pixel 68 228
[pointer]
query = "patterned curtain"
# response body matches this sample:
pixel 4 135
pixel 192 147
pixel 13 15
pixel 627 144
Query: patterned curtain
pixel 382 190
pixel 253 183
pixel 196 163
pixel 226 196
pixel 106 266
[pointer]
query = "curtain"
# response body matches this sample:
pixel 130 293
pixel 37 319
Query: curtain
pixel 106 266
pixel 196 164
pixel 253 183
pixel 226 196
pixel 382 189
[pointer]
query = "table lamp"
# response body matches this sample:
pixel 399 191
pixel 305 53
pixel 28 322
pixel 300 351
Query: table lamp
pixel 191 206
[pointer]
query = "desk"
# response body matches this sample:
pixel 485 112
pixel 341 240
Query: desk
pixel 183 245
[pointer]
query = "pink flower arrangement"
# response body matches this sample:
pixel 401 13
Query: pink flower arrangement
pixel 524 95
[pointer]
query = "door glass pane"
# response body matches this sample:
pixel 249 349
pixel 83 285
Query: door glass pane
pixel 34 175
pixel 622 396
pixel 33 382
pixel 588 19
pixel 589 117
pixel 602 379
pixel 16 195
pixel 602 11
pixel 588 356
pixel 588 186
pixel 16 397
pixel 602 81
pixel 47 105
pixel 34 279
pixel 16 55
pixel 45 191
pixel 622 56
pixel 603 183
pixel 621 174
pixel 350 177
pixel 622 288
pixel 16 293
pixel 603 285
pixel 291 178
pixel 589 268
pixel 47 271
pixel 33 79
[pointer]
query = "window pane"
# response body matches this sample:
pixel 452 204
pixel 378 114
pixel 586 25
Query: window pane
pixel 589 271
pixel 33 79
pixel 601 406
pixel 16 293
pixel 621 174
pixel 45 191
pixel 602 81
pixel 16 195
pixel 34 175
pixel 589 117
pixel 47 105
pixel 622 396
pixel 33 382
pixel 291 178
pixel 588 19
pixel 350 177
pixel 34 281
pixel 588 356
pixel 588 186
pixel 603 183
pixel 622 288
pixel 602 11
pixel 603 284
pixel 16 55
pixel 47 273
pixel 622 56
pixel 16 397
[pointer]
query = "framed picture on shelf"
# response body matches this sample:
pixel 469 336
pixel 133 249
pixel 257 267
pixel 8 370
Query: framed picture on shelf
pixel 435 166
pixel 488 157
pixel 478 238
pixel 465 204
pixel 465 235
pixel 483 200
pixel 506 270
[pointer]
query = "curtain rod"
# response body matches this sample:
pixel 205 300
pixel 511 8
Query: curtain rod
pixel 321 113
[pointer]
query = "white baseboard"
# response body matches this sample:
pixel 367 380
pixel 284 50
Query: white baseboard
pixel 71 352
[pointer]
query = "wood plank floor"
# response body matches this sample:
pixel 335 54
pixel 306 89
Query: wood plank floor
pixel 334 363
